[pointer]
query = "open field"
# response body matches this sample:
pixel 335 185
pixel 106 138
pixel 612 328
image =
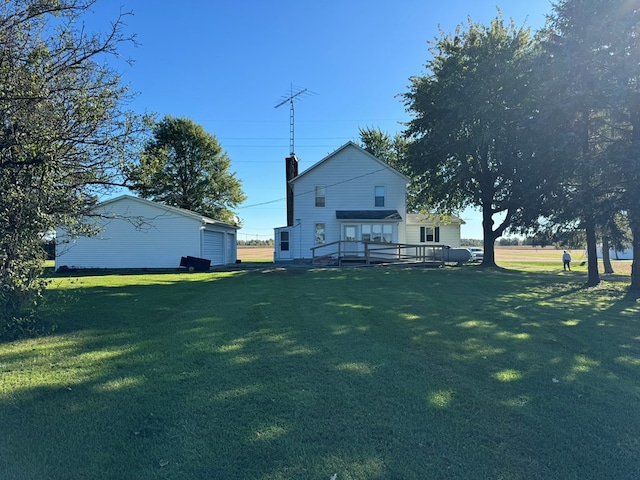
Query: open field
pixel 519 258
pixel 253 254
pixel 375 373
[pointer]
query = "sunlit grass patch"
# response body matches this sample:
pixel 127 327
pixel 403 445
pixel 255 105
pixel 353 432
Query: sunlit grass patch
pixel 508 375
pixel 441 398
pixel 628 360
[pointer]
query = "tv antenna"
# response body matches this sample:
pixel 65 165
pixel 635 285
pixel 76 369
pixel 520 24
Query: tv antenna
pixel 294 93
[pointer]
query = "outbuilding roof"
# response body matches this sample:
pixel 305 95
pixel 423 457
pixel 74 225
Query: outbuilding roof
pixel 180 211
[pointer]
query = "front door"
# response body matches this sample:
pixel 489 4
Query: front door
pixel 284 245
pixel 350 245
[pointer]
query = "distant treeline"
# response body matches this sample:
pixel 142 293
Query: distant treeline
pixel 256 243
pixel 536 241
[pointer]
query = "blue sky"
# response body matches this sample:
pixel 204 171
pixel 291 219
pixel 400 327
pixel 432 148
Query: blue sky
pixel 227 64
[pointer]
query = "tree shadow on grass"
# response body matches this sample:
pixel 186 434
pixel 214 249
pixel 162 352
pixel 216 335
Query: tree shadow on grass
pixel 373 373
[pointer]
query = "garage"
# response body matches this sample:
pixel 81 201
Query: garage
pixel 137 233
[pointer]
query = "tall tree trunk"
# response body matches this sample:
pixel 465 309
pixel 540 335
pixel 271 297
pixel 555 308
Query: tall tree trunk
pixel 592 255
pixel 634 208
pixel 635 265
pixel 606 260
pixel 489 236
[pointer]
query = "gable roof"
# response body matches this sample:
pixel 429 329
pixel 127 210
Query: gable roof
pixel 179 211
pixel 350 144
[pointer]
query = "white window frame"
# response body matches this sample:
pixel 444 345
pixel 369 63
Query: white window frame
pixel 320 233
pixel 320 196
pixel 379 200
pixel 377 232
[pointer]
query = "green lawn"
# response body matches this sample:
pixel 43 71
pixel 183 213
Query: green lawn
pixel 371 373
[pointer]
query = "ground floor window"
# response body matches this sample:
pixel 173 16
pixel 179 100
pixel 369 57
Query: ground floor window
pixel 320 233
pixel 429 234
pixel 284 241
pixel 382 233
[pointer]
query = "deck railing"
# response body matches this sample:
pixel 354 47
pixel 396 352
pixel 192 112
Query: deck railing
pixel 343 251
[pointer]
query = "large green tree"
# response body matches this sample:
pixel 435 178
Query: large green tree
pixel 184 166
pixel 392 151
pixel 592 68
pixel 472 141
pixel 63 137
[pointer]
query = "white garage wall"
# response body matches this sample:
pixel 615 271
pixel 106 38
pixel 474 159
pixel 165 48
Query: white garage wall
pixel 136 234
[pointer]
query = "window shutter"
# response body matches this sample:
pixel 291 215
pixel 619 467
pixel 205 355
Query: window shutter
pixel 437 234
pixel 421 234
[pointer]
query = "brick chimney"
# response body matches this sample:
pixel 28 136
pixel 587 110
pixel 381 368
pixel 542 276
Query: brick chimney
pixel 291 172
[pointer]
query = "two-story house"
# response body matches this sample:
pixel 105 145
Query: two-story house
pixel 351 197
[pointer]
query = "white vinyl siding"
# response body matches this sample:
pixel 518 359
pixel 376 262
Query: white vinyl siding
pixel 135 233
pixel 349 177
pixel 449 233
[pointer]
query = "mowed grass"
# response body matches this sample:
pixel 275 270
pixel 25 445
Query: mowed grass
pixel 371 373
pixel 549 259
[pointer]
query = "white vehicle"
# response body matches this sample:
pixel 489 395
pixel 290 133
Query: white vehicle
pixel 477 254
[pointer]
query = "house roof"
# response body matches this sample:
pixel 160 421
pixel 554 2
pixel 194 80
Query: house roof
pixel 179 211
pixel 368 215
pixel 362 150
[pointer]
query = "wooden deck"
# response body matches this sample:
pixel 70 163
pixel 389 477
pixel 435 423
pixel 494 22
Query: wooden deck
pixel 369 253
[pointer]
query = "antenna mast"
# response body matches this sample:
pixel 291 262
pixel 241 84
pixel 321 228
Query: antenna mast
pixel 292 94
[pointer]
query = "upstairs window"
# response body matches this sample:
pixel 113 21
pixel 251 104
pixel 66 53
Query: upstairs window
pixel 321 192
pixel 379 196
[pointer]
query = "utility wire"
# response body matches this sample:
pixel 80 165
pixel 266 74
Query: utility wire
pixel 312 191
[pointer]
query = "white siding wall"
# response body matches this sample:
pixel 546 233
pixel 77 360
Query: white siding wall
pixel 350 177
pixel 449 234
pixel 144 236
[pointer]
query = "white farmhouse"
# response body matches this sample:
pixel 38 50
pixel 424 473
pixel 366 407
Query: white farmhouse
pixel 138 233
pixel 347 199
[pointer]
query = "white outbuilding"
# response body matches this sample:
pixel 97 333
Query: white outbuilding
pixel 138 233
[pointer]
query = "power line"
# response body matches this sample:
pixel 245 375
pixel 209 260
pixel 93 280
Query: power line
pixel 312 191
pixel 283 138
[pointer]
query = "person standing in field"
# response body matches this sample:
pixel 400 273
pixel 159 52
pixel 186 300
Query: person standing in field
pixel 566 261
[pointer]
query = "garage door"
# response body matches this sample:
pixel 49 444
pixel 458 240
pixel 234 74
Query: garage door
pixel 213 247
pixel 231 245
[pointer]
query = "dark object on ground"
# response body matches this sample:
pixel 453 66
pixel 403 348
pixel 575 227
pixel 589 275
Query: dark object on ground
pixel 195 264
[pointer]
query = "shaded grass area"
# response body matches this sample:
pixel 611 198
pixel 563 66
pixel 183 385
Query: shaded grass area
pixel 293 373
